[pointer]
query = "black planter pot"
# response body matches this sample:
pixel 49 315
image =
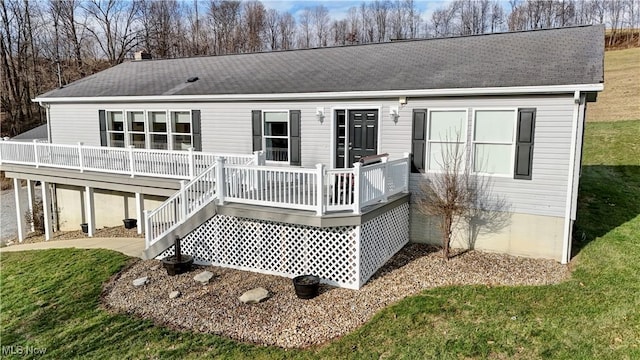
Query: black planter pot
pixel 306 286
pixel 177 266
pixel 85 228
pixel 130 223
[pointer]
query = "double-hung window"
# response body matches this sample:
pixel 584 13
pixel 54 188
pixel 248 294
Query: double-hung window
pixel 493 141
pixel 158 130
pixel 446 137
pixel 115 128
pixel 181 130
pixel 276 135
pixel 136 129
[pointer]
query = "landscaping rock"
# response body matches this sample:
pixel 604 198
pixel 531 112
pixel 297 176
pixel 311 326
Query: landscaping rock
pixel 154 268
pixel 174 294
pixel 203 277
pixel 140 281
pixel 254 296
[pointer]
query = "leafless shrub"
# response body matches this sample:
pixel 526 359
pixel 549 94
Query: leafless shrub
pixel 36 217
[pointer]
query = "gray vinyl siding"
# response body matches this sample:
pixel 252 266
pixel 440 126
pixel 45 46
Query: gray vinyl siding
pixel 226 128
pixel 545 193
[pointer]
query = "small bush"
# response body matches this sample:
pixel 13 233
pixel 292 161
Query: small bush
pixel 5 182
pixel 37 217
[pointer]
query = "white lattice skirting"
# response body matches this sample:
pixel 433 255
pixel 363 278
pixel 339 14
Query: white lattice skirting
pixel 345 256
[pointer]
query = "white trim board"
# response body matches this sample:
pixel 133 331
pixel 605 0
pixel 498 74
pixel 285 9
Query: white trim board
pixel 550 89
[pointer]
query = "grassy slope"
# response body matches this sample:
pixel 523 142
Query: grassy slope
pixel 621 98
pixel 50 298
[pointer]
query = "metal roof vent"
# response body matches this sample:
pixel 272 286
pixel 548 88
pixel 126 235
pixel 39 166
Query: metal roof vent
pixel 192 79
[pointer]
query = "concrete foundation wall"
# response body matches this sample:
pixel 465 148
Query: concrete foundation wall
pixel 110 207
pixel 527 235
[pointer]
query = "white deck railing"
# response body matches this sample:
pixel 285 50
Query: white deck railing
pixel 315 189
pixel 130 161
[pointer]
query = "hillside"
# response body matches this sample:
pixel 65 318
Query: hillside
pixel 620 99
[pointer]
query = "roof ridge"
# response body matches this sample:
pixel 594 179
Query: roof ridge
pixel 400 41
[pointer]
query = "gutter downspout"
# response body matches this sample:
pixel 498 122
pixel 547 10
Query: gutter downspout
pixel 54 193
pixel 46 108
pixel 576 125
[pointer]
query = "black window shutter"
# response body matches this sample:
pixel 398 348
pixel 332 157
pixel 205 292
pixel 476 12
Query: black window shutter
pixel 195 127
pixel 524 144
pixel 102 117
pixel 294 136
pixel 418 140
pixel 256 121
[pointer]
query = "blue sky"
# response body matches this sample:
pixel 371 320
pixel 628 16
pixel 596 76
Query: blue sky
pixel 338 8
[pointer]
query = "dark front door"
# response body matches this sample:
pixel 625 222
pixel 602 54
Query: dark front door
pixel 363 134
pixel 360 140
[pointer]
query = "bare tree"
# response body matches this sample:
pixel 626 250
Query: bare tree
pixel 449 194
pixel 272 29
pixel 320 20
pixel 287 25
pixel 253 24
pixel 305 28
pixel 113 26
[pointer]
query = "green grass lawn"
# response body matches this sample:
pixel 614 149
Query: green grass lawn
pixel 50 299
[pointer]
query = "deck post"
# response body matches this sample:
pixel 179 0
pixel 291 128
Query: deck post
pixel 385 175
pixel 35 153
pixel 140 212
pixel 147 229
pixel 46 210
pixel 30 201
pixel 220 179
pixel 17 191
pixel 183 200
pixel 133 170
pixel 90 211
pixel 357 172
pixel 192 168
pixel 319 189
pixel 407 157
pixel 80 160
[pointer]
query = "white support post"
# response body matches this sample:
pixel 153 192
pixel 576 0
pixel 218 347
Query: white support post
pixel 131 165
pixel 220 180
pixel 81 159
pixel 147 229
pixel 319 189
pixel 192 163
pixel 46 210
pixel 183 200
pixel 17 190
pixel 357 172
pixel 256 158
pixel 385 175
pixel 140 214
pixel 30 202
pixel 90 211
pixel 407 174
pixel 35 153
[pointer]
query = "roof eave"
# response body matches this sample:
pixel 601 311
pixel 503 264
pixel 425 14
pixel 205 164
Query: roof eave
pixel 515 90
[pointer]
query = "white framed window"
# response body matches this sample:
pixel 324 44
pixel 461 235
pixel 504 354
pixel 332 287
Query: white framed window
pixel 181 135
pixel 158 130
pixel 493 142
pixel 136 129
pixel 446 137
pixel 276 135
pixel 115 129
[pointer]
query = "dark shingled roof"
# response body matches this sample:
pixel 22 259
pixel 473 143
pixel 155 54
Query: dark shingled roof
pixel 565 56
pixel 37 133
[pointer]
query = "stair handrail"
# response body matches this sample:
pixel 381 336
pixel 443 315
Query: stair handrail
pixel 179 206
